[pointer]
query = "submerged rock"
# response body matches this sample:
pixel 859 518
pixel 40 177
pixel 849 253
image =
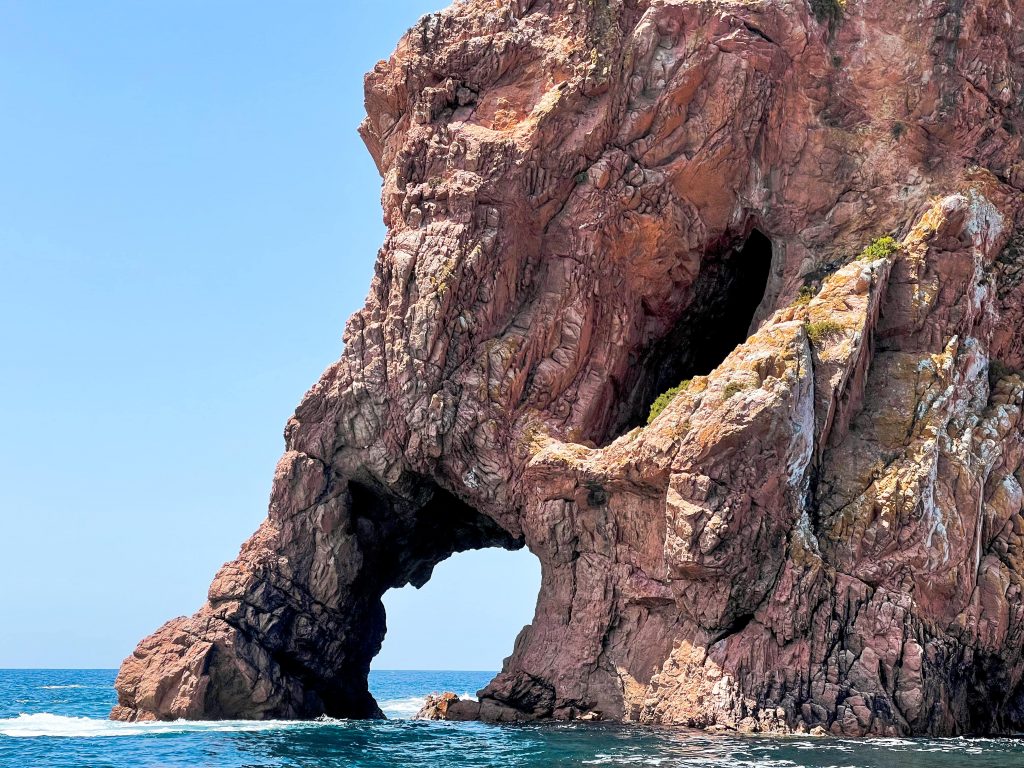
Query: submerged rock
pixel 589 202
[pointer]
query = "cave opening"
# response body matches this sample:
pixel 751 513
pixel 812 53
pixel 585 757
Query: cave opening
pixel 726 295
pixel 450 590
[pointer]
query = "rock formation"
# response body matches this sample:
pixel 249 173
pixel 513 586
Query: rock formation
pixel 589 202
pixel 436 706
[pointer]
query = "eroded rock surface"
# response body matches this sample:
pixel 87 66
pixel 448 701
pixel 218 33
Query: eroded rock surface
pixel 436 706
pixel 822 532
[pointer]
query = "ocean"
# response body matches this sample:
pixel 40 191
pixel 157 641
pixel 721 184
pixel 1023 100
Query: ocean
pixel 58 718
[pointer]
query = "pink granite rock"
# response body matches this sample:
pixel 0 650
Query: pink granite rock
pixel 587 202
pixel 436 706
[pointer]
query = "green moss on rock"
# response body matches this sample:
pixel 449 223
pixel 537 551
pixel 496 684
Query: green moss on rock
pixel 665 398
pixel 880 248
pixel 821 330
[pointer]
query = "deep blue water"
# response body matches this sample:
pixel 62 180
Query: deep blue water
pixel 58 718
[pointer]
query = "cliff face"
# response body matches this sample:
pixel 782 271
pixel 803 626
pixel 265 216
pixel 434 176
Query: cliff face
pixel 587 202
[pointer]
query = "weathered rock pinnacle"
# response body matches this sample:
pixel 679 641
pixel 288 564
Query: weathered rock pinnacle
pixel 589 201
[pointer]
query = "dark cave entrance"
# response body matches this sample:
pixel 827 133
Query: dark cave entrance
pixel 726 295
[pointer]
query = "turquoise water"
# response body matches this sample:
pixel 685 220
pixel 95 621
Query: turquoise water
pixel 58 718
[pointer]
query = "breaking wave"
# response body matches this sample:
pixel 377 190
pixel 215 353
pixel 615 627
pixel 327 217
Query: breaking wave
pixel 63 726
pixel 49 725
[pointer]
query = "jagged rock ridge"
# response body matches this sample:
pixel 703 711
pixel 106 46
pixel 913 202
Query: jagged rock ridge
pixel 824 531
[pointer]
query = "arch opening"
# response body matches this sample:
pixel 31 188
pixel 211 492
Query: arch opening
pixel 729 289
pixel 473 609
pixel 453 632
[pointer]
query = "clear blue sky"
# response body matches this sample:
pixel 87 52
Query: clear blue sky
pixel 187 217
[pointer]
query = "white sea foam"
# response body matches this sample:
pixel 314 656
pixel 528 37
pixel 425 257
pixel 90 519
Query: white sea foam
pixel 62 687
pixel 50 725
pixel 402 709
pixel 890 741
pixel 45 724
